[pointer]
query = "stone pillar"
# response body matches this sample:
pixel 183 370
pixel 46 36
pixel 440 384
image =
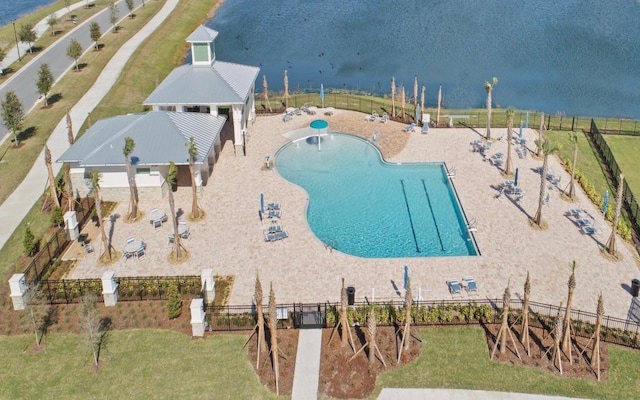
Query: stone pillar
pixel 19 290
pixel 109 289
pixel 197 317
pixel 208 285
pixel 71 225
pixel 238 139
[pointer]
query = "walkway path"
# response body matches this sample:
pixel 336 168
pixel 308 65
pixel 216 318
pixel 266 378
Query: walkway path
pixel 455 394
pixel 14 209
pixel 39 28
pixel 307 373
pixel 23 82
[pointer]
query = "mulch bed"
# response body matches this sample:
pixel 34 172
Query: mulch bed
pixel 288 347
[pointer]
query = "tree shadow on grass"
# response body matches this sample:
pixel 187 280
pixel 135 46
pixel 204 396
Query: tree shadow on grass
pixel 27 133
pixel 54 98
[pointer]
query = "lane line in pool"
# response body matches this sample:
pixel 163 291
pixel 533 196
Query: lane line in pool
pixel 406 202
pixel 424 185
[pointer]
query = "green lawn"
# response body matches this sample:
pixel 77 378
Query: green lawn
pixel 459 358
pixel 146 364
pixel 625 149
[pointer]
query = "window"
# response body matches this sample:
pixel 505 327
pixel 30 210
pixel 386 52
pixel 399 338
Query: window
pixel 143 171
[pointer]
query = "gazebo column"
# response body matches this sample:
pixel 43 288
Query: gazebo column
pixel 238 139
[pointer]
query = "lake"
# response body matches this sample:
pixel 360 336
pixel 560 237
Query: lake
pixel 11 9
pixel 571 57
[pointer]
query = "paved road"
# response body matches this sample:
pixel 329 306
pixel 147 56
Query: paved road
pixel 39 28
pixel 24 81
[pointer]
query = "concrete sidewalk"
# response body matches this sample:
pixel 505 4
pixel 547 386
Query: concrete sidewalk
pixel 15 208
pixel 307 371
pixel 39 28
pixel 455 394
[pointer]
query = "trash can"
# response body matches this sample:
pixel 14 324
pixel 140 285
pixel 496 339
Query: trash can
pixel 351 295
pixel 635 287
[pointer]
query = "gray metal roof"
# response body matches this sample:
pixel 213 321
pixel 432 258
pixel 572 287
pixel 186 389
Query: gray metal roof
pixel 222 83
pixel 159 137
pixel 202 34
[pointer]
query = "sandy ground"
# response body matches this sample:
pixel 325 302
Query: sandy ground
pixel 230 240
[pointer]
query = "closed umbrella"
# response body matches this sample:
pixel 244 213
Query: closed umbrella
pixel 515 178
pixel 520 133
pixel 422 100
pixel 406 277
pixel 605 202
pixel 262 203
pixel 417 114
pixel 393 96
pixel 322 94
pixel 439 101
pixel 526 123
pixel 286 89
pixel 415 90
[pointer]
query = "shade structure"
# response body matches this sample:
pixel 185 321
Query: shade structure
pixel 605 202
pixel 262 203
pixel 322 94
pixel 515 178
pixel 406 277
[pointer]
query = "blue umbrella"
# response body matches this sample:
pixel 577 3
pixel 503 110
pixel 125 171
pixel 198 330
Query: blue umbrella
pixel 406 277
pixel 262 203
pixel 515 178
pixel 526 124
pixel 520 133
pixel 605 203
pixel 322 94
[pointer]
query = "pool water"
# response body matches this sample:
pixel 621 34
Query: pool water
pixel 363 206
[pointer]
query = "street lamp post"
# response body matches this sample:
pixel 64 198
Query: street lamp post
pixel 16 35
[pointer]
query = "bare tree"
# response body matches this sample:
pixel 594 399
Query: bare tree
pixel 92 325
pixel 265 92
pixel 611 243
pixel 113 15
pixel 37 310
pixel 508 167
pixel 408 303
pixel 595 350
pixel 286 89
pixel 573 137
pixel 52 180
pixel 540 140
pixel 262 342
pixel 129 4
pixel 371 339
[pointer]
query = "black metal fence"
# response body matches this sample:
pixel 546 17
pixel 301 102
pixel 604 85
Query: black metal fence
pixel 629 200
pixel 431 313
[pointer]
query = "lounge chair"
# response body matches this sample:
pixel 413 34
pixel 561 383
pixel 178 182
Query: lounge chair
pixel 273 206
pixel 584 222
pixel 470 284
pixel 171 239
pixel 275 228
pixel 274 214
pixel 575 212
pixel 588 230
pixel 275 236
pixel 384 118
pixel 87 247
pixel 409 128
pixel 454 287
pixel 425 128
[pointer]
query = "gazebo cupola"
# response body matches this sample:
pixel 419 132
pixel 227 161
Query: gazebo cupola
pixel 203 51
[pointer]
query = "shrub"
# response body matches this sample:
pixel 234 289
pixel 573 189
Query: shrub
pixel 29 243
pixel 174 301
pixel 57 218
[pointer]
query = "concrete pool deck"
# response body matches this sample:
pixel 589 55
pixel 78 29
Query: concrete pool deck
pixel 230 239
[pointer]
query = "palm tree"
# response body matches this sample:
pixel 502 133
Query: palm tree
pixel 129 145
pixel 566 335
pixel 402 100
pixel 508 168
pixel 193 153
pixel 262 344
pixel 573 137
pixel 265 92
pixel 52 180
pixel 273 334
pixel 95 183
pixel 415 91
pixel 286 90
pixel 547 147
pixel 439 104
pixel 611 244
pixel 488 86
pixel 540 136
pixel 67 169
pixel 393 96
pixel 524 338
pixel 171 180
pixel 595 350
pixel 408 303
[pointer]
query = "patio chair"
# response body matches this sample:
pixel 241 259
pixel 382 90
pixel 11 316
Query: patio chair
pixel 130 239
pixel 140 253
pixel 274 214
pixel 87 247
pixel 409 128
pixel 185 234
pixel 583 222
pixel 588 230
pixel 157 223
pixel 470 284
pixel 172 239
pixel 275 228
pixel 273 206
pixel 454 287
pixel 384 118
pixel 281 235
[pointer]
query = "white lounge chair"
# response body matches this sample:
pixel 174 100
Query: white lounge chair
pixel 470 284
pixel 409 128
pixel 454 287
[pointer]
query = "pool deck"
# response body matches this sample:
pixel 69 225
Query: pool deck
pixel 230 239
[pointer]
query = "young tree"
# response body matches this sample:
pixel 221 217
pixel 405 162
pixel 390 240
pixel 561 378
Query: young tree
pixel 611 243
pixel 113 15
pixel 74 51
pixel 94 32
pixel 262 342
pixel 3 54
pixel 52 21
pixel 488 86
pixel 45 81
pixel 129 4
pixel 508 168
pixel 129 145
pixel 52 180
pixel 92 325
pixel 171 180
pixel 29 242
pixel 12 114
pixel 573 137
pixel 524 336
pixel 193 153
pixel 406 333
pixel 27 35
pixel 595 350
pixel 95 183
pixel 273 334
pixel 504 330
pixel 566 335
pixel 547 148
pixel 37 309
pixel 343 323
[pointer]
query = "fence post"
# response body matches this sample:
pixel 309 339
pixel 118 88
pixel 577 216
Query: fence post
pixel 109 289
pixel 19 289
pixel 197 317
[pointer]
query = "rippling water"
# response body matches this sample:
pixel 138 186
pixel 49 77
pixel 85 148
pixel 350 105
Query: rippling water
pixel 574 57
pixel 13 9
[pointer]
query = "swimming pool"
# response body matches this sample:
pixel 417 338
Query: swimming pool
pixel 363 206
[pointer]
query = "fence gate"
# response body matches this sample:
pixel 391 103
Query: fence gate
pixel 309 316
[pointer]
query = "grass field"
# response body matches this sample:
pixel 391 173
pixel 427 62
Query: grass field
pixel 459 358
pixel 625 149
pixel 147 364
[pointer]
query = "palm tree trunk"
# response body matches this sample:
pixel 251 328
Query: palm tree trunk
pixel 508 168
pixel 103 233
pixel 543 186
pixel 52 180
pixel 525 339
pixel 572 183
pixel 195 209
pixel 177 246
pixel 540 136
pixel 611 244
pixel 133 202
pixel 393 97
pixel 488 137
pixel 68 188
